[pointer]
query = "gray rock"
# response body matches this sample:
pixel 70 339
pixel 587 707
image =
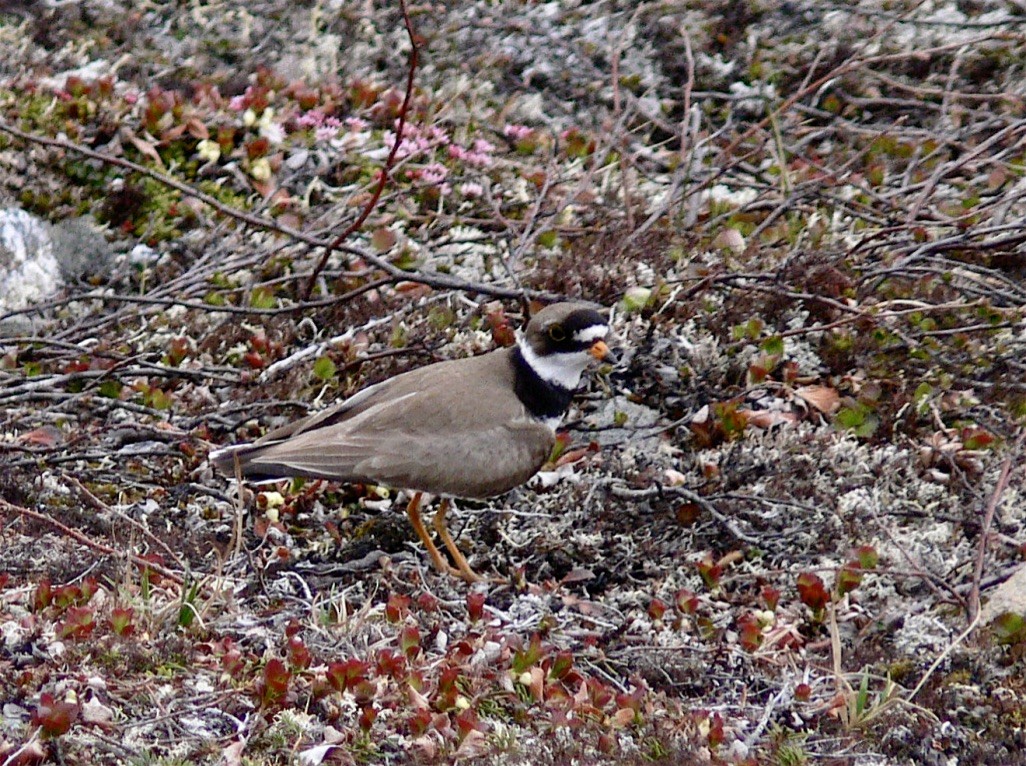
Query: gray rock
pixel 37 259
pixel 29 271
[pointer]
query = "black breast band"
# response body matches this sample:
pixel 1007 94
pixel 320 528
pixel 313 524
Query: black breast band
pixel 541 398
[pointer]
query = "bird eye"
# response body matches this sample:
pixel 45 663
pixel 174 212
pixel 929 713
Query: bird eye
pixel 557 333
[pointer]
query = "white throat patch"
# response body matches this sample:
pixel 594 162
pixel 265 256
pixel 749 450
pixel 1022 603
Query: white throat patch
pixel 563 370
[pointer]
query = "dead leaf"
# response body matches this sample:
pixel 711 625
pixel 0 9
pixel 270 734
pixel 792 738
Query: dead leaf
pixel 572 456
pixel 46 436
pixel 197 129
pixel 621 718
pixel 688 513
pixel 95 712
pixel 767 418
pixel 232 755
pixel 730 239
pixel 674 478
pixel 537 685
pixel 145 148
pixel 172 134
pixel 582 605
pixel 416 700
pixel 413 289
pixel 474 745
pixel 577 575
pixel 426 747
pixel 264 188
pixel 823 398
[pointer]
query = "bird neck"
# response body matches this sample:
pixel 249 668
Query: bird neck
pixel 544 399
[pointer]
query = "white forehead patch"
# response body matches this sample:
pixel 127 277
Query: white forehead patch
pixel 589 334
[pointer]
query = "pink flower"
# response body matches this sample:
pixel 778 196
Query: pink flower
pixel 312 119
pixel 479 159
pixel 354 124
pixel 471 189
pixel 438 135
pixel 410 145
pixel 434 173
pixel 483 147
pixel 325 132
pixel 517 132
pixel 238 103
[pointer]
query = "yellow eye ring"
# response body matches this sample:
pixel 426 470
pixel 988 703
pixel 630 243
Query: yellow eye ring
pixel 557 333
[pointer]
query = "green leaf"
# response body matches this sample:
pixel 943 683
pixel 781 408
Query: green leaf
pixel 858 418
pixel 263 298
pixel 869 426
pixel 750 330
pixel 548 238
pixel 851 417
pixel 187 611
pixel 111 389
pixel 157 399
pixel 978 438
pixel 1009 628
pixel 324 368
pixel 774 344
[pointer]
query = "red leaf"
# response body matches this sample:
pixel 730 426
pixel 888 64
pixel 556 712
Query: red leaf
pixel 397 607
pixel 475 606
pixel 812 591
pixel 274 684
pixel 79 623
pixel 54 718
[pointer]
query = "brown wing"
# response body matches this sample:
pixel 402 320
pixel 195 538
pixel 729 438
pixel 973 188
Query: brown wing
pixel 450 428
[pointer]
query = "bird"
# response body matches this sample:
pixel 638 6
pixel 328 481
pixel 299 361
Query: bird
pixel 473 427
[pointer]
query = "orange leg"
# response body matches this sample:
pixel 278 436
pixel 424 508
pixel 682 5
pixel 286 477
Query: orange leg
pixel 462 566
pixel 413 511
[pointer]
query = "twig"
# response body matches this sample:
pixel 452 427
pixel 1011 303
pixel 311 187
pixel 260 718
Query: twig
pixel 626 493
pixel 102 506
pixel 386 171
pixel 437 281
pixel 81 538
pixel 988 520
pixel 940 657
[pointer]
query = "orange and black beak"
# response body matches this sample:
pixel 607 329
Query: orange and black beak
pixel 599 350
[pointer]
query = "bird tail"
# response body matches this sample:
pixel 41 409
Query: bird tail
pixel 224 459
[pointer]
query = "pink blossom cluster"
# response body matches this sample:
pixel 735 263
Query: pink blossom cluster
pixel 421 142
pixel 416 140
pixel 434 173
pixel 327 127
pixel 478 156
pixel 517 132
